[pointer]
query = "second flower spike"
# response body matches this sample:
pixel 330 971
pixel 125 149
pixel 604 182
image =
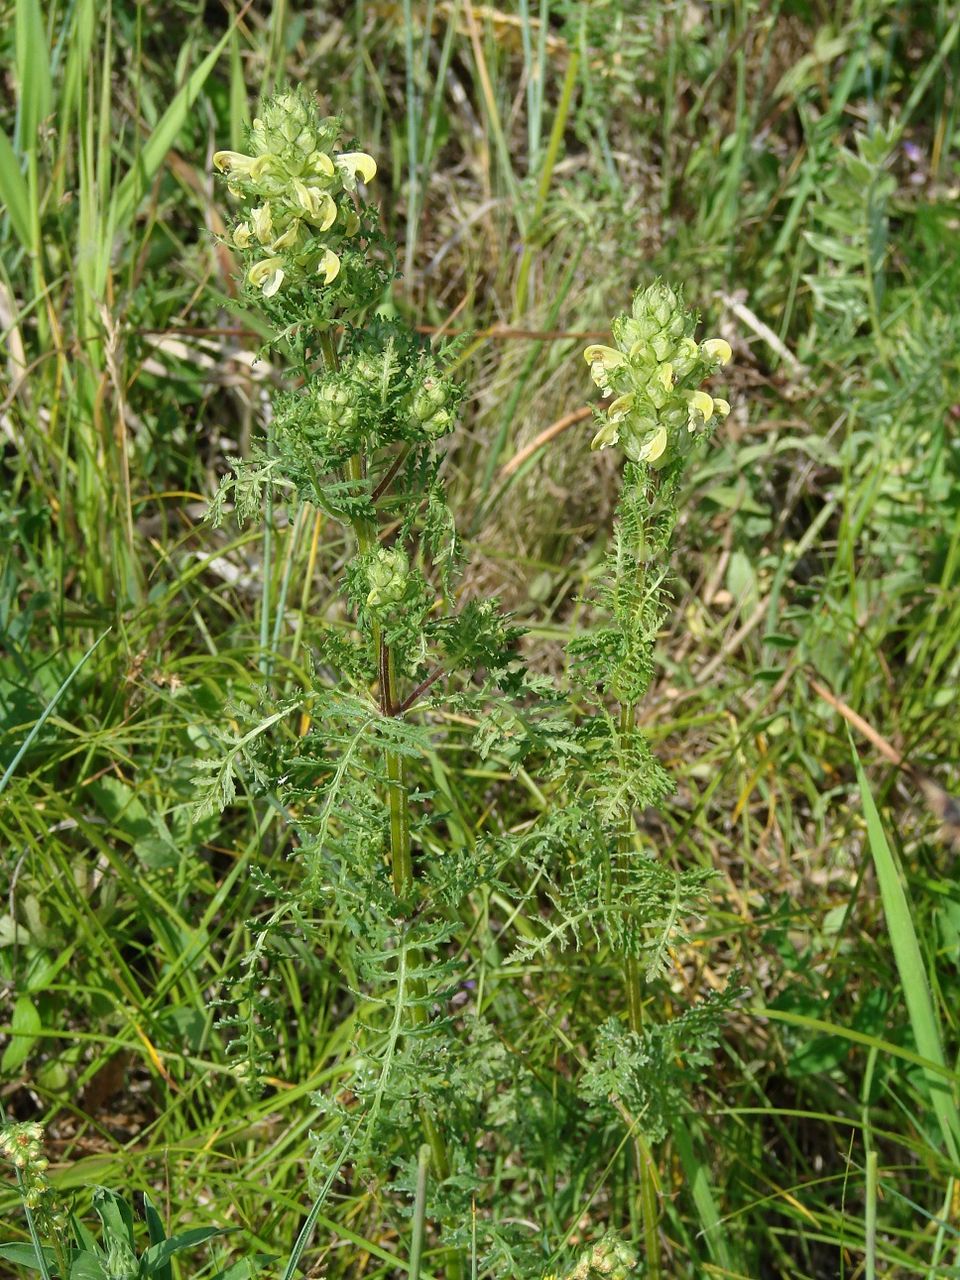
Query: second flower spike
pixel 653 376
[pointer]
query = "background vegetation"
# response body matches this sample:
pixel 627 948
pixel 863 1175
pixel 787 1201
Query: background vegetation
pixel 796 165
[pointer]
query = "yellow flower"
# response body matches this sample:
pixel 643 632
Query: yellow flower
pixel 233 162
pixel 717 349
pixel 357 163
pixel 607 357
pixel 262 165
pixel 608 434
pixel 320 162
pixel 267 275
pixel 290 238
pixel 653 448
pixel 699 407
pixel 261 220
pixel 329 266
pixel 318 205
pixel 242 235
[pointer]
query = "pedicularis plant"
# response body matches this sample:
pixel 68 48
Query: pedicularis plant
pixel 360 436
pixel 444 1116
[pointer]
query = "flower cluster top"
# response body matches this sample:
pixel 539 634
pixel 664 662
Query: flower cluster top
pixel 300 195
pixel 653 376
pixel 22 1145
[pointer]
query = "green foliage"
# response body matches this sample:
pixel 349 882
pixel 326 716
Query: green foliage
pixel 358 440
pixel 185 999
pixel 77 1254
pixel 651 1072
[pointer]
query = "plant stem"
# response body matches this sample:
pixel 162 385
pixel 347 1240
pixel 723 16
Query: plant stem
pixel 419 1212
pixel 401 858
pixel 631 969
pixel 401 855
pixel 646 1165
pixel 401 861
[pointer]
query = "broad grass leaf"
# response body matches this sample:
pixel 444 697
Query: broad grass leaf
pixel 25 1026
pixel 13 192
pixel 34 86
pixel 910 966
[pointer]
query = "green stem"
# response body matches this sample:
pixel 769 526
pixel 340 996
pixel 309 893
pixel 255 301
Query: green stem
pixel 419 1212
pixel 401 855
pixel 631 970
pixel 649 1208
pixel 646 1164
pixel 401 862
pixel 401 858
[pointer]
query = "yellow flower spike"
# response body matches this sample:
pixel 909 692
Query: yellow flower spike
pixel 717 349
pixel 358 164
pixel 329 266
pixel 233 162
pixel 242 235
pixel 261 220
pixel 653 448
pixel 608 357
pixel 721 408
pixel 266 275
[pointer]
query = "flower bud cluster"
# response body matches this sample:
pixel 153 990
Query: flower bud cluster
pixel 610 1257
pixel 654 376
pixel 299 192
pixel 377 397
pixel 388 575
pixel 430 412
pixel 337 414
pixel 22 1145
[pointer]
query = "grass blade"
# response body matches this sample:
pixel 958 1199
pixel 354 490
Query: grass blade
pixel 155 150
pixel 48 710
pixel 14 194
pixel 909 961
pixel 34 87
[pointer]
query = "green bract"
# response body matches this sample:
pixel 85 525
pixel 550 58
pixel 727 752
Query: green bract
pixel 387 389
pixel 653 377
